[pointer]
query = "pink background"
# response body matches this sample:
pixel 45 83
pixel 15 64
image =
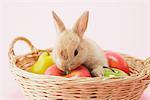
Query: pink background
pixel 122 26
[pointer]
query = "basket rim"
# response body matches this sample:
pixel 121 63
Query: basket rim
pixel 38 77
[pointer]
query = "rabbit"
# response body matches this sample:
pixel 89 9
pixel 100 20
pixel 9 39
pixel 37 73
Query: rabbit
pixel 73 49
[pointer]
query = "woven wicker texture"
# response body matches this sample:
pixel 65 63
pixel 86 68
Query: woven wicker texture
pixel 43 87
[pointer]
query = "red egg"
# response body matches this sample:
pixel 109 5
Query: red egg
pixel 80 71
pixel 115 60
pixel 53 70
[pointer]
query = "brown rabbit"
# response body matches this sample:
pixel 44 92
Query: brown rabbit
pixel 73 49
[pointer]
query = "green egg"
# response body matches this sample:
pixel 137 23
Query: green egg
pixel 114 73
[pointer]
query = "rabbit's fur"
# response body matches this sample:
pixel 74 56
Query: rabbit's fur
pixel 72 49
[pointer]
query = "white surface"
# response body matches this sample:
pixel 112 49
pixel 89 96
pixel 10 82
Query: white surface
pixel 115 25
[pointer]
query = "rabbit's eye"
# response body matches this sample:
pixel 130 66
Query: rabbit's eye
pixel 75 52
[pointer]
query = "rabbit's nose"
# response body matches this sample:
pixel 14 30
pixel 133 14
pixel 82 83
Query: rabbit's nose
pixel 63 54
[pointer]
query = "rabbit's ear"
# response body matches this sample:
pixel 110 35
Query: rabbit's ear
pixel 81 24
pixel 59 24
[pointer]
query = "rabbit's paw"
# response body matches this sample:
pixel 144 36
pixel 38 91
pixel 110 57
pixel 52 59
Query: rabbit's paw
pixel 98 72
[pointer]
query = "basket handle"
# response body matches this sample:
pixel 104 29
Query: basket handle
pixel 11 52
pixel 147 68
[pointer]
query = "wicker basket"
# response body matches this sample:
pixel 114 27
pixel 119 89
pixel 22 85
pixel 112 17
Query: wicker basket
pixel 43 87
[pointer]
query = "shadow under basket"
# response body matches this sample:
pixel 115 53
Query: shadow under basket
pixel 44 87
